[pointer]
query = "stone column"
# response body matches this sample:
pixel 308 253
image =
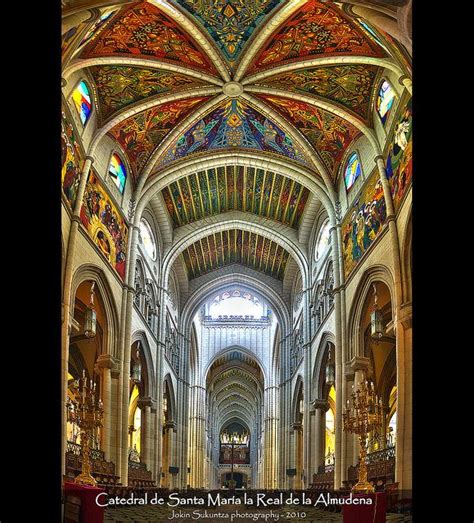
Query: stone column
pixel 145 405
pixel 67 301
pixel 321 406
pixel 105 362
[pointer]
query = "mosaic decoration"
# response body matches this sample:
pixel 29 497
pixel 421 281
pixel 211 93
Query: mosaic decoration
pixel 385 99
pixel 82 101
pixel 235 246
pixel 229 22
pixel 399 157
pixel 329 134
pixel 143 31
pixel 246 189
pixel 141 133
pixel 118 172
pixel 104 224
pixel 231 126
pixel 121 86
pixel 363 222
pixel 71 161
pixel 353 170
pixel 315 30
pixel 348 85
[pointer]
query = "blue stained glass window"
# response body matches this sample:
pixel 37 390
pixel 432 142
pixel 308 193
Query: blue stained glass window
pixel 82 101
pixel 385 100
pixel 118 172
pixel 353 170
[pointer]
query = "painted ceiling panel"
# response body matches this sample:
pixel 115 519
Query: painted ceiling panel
pixel 235 246
pixel 230 23
pixel 246 189
pixel 143 31
pixel 348 85
pixel 330 135
pixel 234 125
pixel 120 86
pixel 315 30
pixel 141 133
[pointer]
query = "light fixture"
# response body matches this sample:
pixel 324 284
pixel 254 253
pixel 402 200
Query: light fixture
pixel 137 368
pixel 90 322
pixel 330 370
pixel 376 320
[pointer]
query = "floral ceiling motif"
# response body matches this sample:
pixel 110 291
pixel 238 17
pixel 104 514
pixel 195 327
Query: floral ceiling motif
pixel 140 134
pixel 330 135
pixel 120 86
pixel 143 31
pixel 230 23
pixel 348 85
pixel 315 30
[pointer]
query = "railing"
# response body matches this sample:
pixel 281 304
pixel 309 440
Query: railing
pixel 102 470
pixel 237 318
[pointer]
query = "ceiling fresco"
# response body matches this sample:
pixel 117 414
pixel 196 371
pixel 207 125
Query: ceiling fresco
pixel 315 30
pixel 246 189
pixel 234 125
pixel 143 31
pixel 141 133
pixel 330 135
pixel 120 86
pixel 350 86
pixel 235 246
pixel 230 23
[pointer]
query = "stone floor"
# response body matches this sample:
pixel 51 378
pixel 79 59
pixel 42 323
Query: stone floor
pixel 230 514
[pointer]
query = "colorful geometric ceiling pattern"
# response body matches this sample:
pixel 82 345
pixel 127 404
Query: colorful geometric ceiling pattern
pixel 348 85
pixel 119 86
pixel 141 133
pixel 235 125
pixel 315 30
pixel 229 22
pixel 246 189
pixel 330 135
pixel 143 31
pixel 235 246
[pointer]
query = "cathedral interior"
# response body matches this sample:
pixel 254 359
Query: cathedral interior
pixel 236 225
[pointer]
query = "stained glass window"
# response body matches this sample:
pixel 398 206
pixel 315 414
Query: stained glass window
pixel 118 172
pixel 82 101
pixel 147 239
pixel 385 100
pixel 323 241
pixel 353 170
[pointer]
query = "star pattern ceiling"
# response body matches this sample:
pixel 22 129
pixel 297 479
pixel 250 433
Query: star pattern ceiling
pixel 246 189
pixel 235 246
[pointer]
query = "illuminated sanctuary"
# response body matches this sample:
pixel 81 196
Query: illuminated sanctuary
pixel 236 242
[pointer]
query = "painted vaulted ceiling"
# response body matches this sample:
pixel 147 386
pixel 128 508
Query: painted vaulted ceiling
pixel 235 246
pixel 246 189
pixel 304 78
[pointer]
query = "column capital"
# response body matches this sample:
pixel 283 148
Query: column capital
pixel 359 363
pixel 147 401
pixel 378 158
pixel 405 315
pixel 63 82
pixel 320 404
pixel 90 159
pixel 107 361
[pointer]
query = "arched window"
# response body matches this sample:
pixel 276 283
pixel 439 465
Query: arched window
pixel 82 100
pixel 118 172
pixel 323 240
pixel 147 238
pixel 353 170
pixel 385 100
